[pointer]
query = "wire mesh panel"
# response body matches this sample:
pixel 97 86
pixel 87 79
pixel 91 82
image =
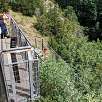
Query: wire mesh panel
pixel 20 66
pixel 21 73
pixel 36 78
pixel 17 33
pixel 22 40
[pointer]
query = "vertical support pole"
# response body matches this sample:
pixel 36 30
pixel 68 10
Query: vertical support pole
pixel 30 73
pixel 17 37
pixel 42 44
pixel 13 96
pixel 20 43
pixel 35 43
pixel 13 84
pixel 36 78
pixel 4 77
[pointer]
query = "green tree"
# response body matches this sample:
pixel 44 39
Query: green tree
pixel 70 13
pixel 3 6
pixel 27 7
pixel 88 13
pixel 50 23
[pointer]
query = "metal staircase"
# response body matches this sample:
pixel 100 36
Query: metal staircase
pixel 19 66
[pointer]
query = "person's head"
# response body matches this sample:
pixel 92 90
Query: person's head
pixel 1 17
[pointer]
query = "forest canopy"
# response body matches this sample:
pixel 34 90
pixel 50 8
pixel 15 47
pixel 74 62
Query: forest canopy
pixel 89 13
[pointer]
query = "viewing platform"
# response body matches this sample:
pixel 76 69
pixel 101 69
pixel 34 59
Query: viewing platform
pixel 19 66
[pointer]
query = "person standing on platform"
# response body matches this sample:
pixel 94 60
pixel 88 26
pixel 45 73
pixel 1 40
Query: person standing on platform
pixel 0 32
pixel 3 28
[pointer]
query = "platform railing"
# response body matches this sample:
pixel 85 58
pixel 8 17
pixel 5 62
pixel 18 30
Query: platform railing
pixel 4 77
pixel 22 45
pixel 21 34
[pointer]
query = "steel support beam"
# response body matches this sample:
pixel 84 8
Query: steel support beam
pixel 18 50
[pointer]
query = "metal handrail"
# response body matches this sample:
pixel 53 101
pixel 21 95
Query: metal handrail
pixel 13 49
pixel 24 36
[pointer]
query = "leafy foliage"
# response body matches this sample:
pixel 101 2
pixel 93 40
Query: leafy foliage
pixel 27 7
pixel 89 13
pixel 56 85
pixel 70 13
pixel 3 6
pixel 84 60
pixel 55 22
pixel 49 23
pixel 79 80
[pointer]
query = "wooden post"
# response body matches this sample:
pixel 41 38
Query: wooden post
pixel 42 44
pixel 35 43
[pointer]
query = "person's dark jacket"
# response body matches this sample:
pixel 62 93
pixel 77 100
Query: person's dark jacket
pixel 3 27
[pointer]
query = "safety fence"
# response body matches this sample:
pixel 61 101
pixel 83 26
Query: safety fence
pixel 20 66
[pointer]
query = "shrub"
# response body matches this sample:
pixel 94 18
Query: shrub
pixel 27 7
pixel 56 85
pixel 3 7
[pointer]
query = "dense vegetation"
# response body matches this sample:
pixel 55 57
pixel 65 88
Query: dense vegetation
pixel 89 13
pixel 83 57
pixel 80 79
pixel 3 6
pixel 27 7
pixel 56 85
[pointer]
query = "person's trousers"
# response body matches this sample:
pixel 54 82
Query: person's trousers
pixel 3 35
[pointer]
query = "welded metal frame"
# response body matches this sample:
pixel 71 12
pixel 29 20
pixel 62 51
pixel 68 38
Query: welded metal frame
pixel 23 45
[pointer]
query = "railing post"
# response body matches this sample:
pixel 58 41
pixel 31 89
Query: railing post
pixel 12 79
pixel 36 78
pixel 42 44
pixel 30 73
pixel 35 43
